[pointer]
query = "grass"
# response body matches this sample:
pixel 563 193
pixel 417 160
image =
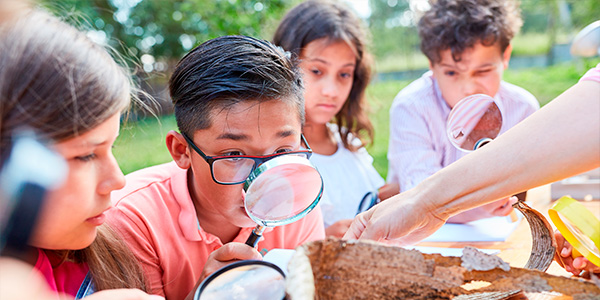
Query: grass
pixel 381 95
pixel 401 61
pixel 524 44
pixel 547 83
pixel 531 44
pixel 142 143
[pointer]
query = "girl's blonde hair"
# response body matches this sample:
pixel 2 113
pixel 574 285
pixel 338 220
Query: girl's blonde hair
pixel 313 20
pixel 56 81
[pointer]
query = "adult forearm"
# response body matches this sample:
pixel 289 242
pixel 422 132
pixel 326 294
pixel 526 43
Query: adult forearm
pixel 560 140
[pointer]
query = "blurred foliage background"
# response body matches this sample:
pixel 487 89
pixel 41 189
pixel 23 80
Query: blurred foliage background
pixel 152 35
pixel 156 33
pixel 545 23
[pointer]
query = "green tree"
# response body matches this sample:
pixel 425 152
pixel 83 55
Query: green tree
pixel 166 30
pixel 392 24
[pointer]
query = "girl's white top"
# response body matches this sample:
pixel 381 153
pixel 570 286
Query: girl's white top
pixel 347 177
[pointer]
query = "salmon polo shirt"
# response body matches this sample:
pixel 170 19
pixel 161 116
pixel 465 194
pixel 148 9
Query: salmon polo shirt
pixel 155 215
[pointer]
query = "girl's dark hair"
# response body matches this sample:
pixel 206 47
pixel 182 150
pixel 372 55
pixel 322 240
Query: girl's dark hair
pixel 227 70
pixel 56 81
pixel 460 24
pixel 313 20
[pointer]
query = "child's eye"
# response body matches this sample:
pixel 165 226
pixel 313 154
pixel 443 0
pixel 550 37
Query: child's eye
pixel 86 158
pixel 346 75
pixel 232 153
pixel 450 73
pixel 316 71
pixel 483 71
pixel 279 151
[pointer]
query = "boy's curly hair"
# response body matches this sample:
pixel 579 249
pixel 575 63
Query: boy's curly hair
pixel 460 24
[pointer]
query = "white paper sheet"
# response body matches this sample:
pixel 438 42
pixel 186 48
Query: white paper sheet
pixel 496 229
pixel 280 257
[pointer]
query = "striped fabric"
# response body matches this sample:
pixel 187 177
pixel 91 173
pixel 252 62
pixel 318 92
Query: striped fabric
pixel 418 144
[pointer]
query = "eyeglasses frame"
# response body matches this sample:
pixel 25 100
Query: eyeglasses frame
pixel 258 159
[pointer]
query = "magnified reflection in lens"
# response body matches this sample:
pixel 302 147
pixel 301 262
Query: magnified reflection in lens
pixel 247 282
pixel 283 192
pixel 474 121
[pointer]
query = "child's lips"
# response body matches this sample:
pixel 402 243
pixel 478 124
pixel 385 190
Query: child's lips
pixel 327 106
pixel 97 220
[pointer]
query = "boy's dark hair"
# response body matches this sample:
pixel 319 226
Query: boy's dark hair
pixel 227 70
pixel 313 20
pixel 460 24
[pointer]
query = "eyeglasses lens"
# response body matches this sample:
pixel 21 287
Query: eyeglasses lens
pixel 232 170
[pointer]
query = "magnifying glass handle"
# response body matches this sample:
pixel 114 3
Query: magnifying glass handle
pixel 256 234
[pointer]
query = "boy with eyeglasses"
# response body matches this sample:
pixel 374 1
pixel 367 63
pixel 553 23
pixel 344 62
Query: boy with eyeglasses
pixel 238 102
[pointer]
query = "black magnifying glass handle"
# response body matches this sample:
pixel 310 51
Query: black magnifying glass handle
pixel 20 226
pixel 255 236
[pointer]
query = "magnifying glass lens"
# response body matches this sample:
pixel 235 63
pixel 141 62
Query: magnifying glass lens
pixel 578 226
pixel 284 191
pixel 245 280
pixel 474 121
pixel 232 170
pixel 583 239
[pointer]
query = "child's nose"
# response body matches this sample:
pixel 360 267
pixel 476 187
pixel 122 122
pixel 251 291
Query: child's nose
pixel 112 179
pixel 330 88
pixel 471 87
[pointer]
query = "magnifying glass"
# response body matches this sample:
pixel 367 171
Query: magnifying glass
pixel 587 42
pixel 30 171
pixel 578 226
pixel 473 122
pixel 244 280
pixel 281 191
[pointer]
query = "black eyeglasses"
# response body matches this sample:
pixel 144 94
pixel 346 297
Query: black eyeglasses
pixel 235 169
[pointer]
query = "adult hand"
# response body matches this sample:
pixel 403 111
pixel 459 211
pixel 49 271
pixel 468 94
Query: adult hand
pixel 405 218
pixel 502 207
pixel 564 257
pixel 338 229
pixel 123 294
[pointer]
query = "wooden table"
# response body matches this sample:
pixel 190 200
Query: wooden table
pixel 516 249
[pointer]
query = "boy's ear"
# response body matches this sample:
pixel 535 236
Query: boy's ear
pixel 506 56
pixel 431 69
pixel 178 148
